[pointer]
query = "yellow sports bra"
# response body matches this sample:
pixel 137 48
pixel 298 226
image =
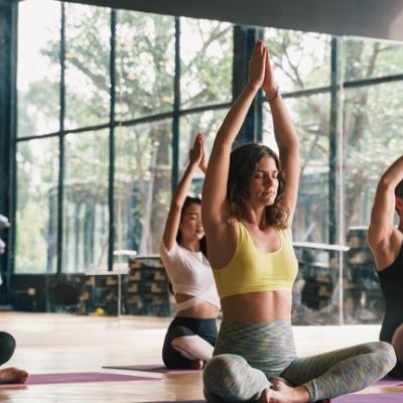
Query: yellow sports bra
pixel 251 270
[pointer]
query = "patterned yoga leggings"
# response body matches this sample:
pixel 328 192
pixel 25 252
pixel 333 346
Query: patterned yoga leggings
pixel 247 355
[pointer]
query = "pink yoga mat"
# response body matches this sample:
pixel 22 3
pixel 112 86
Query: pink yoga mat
pixel 79 377
pixel 355 397
pixel 389 382
pixel 152 368
pixel 352 398
pixel 370 398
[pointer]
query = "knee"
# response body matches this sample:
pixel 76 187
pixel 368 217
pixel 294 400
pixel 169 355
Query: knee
pixel 7 346
pixel 7 340
pixel 388 354
pixel 217 367
pixel 222 375
pixel 397 342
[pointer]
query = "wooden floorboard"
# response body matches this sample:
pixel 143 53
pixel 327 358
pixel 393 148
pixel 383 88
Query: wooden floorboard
pixel 64 343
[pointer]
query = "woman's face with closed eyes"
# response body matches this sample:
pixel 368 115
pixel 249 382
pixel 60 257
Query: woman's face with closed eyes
pixel 264 184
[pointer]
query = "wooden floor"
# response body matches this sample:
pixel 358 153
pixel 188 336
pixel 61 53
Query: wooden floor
pixel 63 343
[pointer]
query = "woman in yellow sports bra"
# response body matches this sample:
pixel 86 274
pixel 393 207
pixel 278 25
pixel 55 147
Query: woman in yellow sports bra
pixel 249 198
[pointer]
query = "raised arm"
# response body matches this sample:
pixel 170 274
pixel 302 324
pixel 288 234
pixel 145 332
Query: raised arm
pixel 196 159
pixel 286 138
pixel 382 234
pixel 215 183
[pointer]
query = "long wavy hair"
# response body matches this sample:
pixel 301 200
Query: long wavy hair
pixel 188 202
pixel 243 160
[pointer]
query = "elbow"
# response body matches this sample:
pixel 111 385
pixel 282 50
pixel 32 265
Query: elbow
pixel 387 183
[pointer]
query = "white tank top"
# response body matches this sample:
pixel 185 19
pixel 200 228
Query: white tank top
pixel 189 273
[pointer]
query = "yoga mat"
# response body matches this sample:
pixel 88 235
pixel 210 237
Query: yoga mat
pixel 182 401
pixel 370 398
pixel 152 368
pixel 79 377
pixel 352 398
pixel 388 383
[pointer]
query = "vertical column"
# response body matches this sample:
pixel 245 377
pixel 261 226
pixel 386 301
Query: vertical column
pixel 8 63
pixel 244 42
pixel 336 196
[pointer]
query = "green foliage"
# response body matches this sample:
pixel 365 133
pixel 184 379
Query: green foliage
pixel 145 70
pixel 31 250
pixel 144 82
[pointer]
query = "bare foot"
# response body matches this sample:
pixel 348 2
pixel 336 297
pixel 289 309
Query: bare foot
pixel 13 375
pixel 276 380
pixel 265 397
pixel 283 392
pixel 197 364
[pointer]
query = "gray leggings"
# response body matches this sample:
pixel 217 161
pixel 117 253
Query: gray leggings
pixel 247 355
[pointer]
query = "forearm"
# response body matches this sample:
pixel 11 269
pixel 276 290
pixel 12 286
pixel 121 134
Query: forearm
pixel 184 185
pixel 288 146
pixel 284 131
pixel 393 175
pixel 203 168
pixel 236 116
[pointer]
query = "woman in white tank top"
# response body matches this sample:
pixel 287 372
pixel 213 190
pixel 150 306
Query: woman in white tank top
pixel 192 334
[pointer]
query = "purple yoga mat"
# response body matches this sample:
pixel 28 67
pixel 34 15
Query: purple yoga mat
pixel 370 398
pixel 79 377
pixel 388 383
pixel 352 398
pixel 152 368
pixel 356 397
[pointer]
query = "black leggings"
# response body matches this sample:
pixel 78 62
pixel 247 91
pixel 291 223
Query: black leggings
pixel 181 326
pixel 7 347
pixel 389 326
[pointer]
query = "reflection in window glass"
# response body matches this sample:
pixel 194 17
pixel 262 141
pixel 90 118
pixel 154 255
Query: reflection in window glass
pixel 145 64
pixel 38 78
pixel 206 68
pixel 143 178
pixel 88 31
pixel 301 60
pixel 36 209
pixel 207 122
pixel 369 58
pixel 142 184
pixel 86 217
pixel 310 116
pixel 373 140
pixel 313 128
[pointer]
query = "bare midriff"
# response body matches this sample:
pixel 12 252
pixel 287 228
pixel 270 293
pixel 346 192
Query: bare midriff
pixel 204 310
pixel 257 306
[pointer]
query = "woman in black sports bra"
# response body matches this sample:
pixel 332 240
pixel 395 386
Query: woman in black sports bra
pixel 386 243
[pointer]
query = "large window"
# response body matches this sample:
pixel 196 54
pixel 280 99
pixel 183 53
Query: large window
pixel 36 209
pixel 110 100
pixel 106 98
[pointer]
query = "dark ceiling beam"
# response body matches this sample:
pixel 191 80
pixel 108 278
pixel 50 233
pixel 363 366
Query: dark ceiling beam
pixel 381 19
